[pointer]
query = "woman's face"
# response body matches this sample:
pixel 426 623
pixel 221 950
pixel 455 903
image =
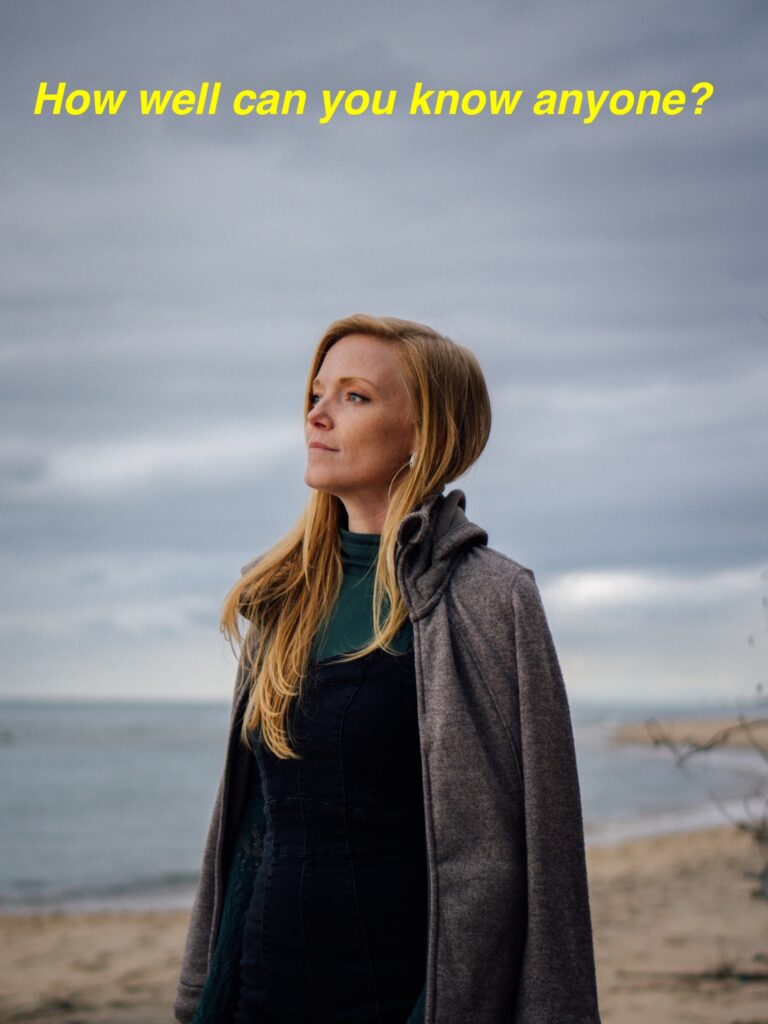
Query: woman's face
pixel 360 414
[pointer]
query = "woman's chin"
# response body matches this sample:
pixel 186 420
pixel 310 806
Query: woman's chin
pixel 319 481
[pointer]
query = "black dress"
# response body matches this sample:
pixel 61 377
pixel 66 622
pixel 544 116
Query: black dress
pixel 336 931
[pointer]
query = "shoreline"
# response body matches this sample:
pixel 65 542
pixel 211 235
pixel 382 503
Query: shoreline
pixel 674 918
pixel 661 905
pixel 598 834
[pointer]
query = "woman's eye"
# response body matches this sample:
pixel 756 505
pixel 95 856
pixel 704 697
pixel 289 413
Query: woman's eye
pixel 314 398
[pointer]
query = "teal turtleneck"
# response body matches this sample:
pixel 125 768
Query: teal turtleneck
pixel 350 623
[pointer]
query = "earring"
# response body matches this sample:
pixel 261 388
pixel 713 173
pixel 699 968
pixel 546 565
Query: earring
pixel 412 460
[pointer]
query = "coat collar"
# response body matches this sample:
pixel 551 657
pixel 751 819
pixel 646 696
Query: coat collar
pixel 430 541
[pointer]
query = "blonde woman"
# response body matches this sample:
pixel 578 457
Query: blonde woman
pixel 397 835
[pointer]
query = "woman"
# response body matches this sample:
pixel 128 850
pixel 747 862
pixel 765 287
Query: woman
pixel 397 835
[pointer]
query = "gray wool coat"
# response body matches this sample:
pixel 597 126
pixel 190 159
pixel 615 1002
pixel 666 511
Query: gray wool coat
pixel 510 935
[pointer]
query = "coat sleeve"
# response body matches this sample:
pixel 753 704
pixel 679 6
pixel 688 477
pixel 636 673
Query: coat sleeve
pixel 196 957
pixel 218 1001
pixel 557 975
pixel 194 964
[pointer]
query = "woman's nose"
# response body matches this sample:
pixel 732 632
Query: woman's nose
pixel 317 412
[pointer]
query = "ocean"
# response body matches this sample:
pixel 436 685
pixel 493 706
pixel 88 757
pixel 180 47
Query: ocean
pixel 105 805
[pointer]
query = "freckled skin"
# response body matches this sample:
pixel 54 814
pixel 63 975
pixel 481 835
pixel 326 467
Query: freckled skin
pixel 369 425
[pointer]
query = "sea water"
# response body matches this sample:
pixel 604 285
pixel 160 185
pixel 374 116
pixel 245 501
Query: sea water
pixel 106 804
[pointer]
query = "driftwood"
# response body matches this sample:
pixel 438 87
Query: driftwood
pixel 725 970
pixel 756 825
pixel 725 973
pixel 756 822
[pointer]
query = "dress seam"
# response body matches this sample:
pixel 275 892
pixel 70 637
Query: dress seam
pixel 349 852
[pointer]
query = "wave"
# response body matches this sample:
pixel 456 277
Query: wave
pixel 172 890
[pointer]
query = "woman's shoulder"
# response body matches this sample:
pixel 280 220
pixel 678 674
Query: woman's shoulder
pixel 487 569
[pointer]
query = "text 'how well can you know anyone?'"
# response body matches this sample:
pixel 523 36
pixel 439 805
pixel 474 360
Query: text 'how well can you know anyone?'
pixel 588 105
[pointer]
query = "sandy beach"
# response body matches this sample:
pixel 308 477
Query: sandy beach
pixel 678 931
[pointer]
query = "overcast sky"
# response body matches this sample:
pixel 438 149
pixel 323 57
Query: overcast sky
pixel 165 281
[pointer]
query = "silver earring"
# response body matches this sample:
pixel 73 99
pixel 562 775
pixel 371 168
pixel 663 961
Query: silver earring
pixel 412 460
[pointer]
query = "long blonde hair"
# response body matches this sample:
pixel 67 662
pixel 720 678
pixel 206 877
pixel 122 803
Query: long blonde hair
pixel 293 586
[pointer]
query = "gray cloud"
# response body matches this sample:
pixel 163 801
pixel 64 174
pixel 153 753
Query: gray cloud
pixel 164 282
